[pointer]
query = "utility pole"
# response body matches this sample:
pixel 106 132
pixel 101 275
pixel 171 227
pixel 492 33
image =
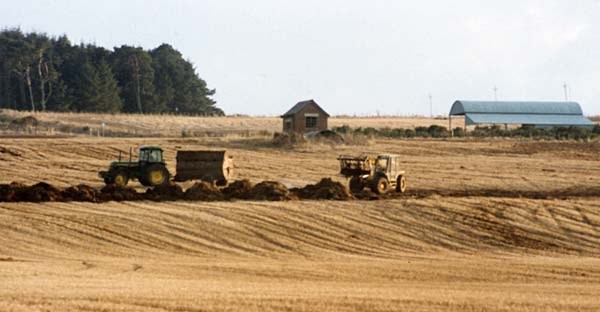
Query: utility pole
pixel 495 93
pixel 430 105
pixel 566 87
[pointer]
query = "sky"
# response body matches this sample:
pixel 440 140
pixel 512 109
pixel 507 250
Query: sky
pixel 353 57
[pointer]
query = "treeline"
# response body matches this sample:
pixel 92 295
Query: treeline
pixel 434 131
pixel 41 73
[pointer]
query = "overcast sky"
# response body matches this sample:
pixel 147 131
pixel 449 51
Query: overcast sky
pixel 352 56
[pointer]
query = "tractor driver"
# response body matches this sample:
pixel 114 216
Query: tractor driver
pixel 153 157
pixel 382 164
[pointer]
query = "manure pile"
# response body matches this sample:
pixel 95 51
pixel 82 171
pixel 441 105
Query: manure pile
pixel 326 189
pixel 200 191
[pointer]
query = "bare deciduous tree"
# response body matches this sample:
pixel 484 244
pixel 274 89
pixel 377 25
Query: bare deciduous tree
pixel 45 80
pixel 28 80
pixel 135 63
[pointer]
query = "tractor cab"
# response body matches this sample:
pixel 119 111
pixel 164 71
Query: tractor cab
pixel 150 154
pixel 388 165
pixel 382 163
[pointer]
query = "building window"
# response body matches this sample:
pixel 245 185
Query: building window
pixel 311 122
pixel 287 124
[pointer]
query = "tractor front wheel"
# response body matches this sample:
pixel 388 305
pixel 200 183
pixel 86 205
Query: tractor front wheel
pixel 381 185
pixel 156 175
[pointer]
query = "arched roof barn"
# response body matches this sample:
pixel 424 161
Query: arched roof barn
pixel 545 114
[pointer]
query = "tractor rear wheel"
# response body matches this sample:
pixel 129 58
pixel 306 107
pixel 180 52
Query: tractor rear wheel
pixel 381 185
pixel 156 175
pixel 401 184
pixel 120 178
pixel 356 184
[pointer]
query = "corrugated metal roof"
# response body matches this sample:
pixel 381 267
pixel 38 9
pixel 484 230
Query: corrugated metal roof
pixel 496 107
pixel 528 113
pixel 300 105
pixel 528 119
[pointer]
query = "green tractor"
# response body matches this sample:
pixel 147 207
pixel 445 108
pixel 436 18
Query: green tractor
pixel 150 169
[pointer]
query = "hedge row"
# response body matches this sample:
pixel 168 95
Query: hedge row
pixel 434 131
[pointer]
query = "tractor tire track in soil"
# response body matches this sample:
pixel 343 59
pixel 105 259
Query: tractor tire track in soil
pixel 320 229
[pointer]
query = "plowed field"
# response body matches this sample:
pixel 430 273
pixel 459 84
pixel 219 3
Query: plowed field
pixel 478 232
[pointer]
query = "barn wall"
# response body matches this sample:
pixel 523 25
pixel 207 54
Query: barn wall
pixel 299 123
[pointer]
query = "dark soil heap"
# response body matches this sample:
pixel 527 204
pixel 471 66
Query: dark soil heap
pixel 118 193
pixel 325 189
pixel 41 192
pixel 11 192
pixel 170 191
pixel 238 190
pixel 272 191
pixel 81 193
pixel 203 191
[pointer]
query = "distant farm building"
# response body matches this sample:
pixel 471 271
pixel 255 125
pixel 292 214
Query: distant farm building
pixel 539 114
pixel 305 116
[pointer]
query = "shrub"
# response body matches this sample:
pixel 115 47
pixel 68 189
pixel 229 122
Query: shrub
pixel 422 132
pixel 370 131
pixel 287 139
pixel 410 133
pixel 458 132
pixel 438 131
pixel 435 131
pixel 342 129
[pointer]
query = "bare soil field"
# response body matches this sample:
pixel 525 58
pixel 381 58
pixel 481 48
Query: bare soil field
pixel 427 255
pixel 463 240
pixel 512 165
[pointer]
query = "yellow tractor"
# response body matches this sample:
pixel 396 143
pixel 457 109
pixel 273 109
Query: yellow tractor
pixel 381 173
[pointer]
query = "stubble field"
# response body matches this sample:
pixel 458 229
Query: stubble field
pixel 174 125
pixel 445 250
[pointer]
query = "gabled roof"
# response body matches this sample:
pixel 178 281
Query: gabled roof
pixel 533 113
pixel 301 105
